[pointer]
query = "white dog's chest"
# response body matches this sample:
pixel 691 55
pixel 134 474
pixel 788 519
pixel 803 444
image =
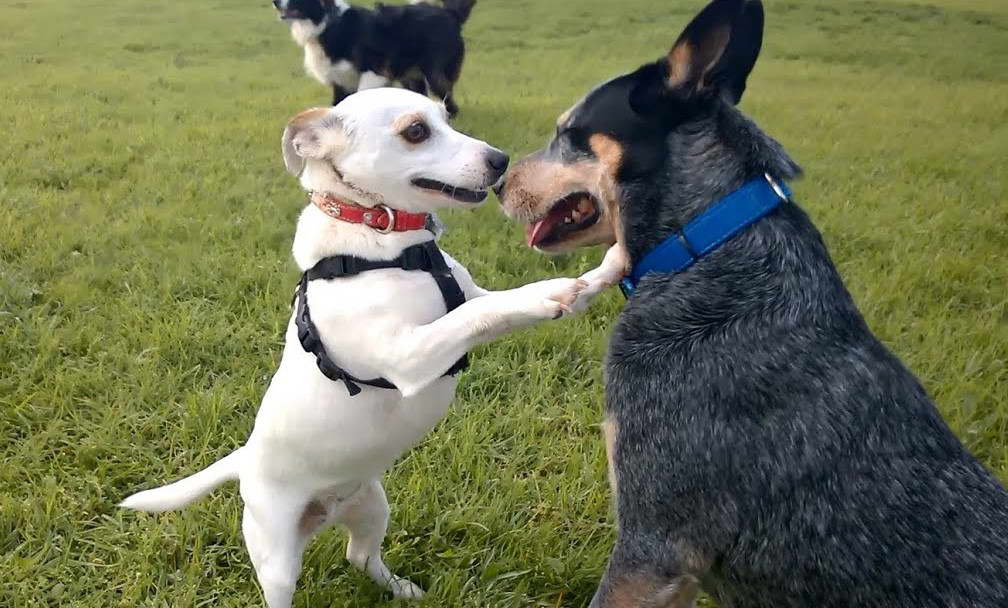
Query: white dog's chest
pixel 338 436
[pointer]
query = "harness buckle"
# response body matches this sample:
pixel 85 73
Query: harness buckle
pixel 342 268
pixel 688 246
pixel 391 219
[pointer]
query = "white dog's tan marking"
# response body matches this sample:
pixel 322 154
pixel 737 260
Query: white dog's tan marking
pixel 316 455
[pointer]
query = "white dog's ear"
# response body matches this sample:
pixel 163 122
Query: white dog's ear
pixel 311 134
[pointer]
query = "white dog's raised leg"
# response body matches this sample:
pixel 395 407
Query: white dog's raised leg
pixel 366 515
pixel 414 358
pixel 370 80
pixel 275 542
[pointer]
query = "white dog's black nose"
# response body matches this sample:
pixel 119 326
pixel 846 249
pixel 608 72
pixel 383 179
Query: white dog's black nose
pixel 498 161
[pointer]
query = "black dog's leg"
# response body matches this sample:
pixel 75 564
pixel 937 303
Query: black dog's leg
pixel 339 94
pixel 450 105
pixel 416 84
pixel 441 87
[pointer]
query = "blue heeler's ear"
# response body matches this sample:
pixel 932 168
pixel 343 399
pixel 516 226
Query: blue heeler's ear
pixel 713 56
pixel 732 70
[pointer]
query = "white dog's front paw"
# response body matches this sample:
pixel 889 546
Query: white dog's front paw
pixel 551 299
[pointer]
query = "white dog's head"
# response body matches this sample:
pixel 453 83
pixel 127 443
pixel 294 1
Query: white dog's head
pixel 390 147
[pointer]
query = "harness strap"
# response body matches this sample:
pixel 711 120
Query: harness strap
pixel 417 257
pixel 425 256
pixel 450 291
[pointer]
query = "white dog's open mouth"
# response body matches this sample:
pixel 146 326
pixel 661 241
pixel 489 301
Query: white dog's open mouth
pixel 290 13
pixel 454 192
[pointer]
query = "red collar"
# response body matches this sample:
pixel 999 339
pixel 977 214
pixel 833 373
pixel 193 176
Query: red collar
pixel 382 218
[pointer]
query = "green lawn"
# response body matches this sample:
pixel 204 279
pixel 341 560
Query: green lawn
pixel 145 276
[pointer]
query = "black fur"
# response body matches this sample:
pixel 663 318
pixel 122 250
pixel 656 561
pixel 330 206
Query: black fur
pixel 767 443
pixel 419 45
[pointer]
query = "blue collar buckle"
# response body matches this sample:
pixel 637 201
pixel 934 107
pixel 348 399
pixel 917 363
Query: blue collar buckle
pixel 731 215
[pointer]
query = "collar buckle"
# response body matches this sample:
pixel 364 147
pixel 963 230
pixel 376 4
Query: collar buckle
pixel 390 214
pixel 776 188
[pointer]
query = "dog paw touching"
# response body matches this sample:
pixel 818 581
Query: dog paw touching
pixel 524 306
pixel 614 266
pixel 553 298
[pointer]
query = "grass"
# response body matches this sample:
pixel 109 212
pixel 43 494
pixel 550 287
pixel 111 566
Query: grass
pixel 145 277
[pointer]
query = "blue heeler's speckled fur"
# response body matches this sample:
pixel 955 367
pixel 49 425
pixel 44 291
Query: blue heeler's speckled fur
pixel 765 442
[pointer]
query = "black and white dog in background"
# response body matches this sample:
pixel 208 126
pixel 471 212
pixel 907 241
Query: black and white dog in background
pixel 352 48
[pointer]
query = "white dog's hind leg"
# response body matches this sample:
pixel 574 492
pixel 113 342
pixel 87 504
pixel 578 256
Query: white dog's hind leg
pixel 256 546
pixel 366 515
pixel 275 540
pixel 370 80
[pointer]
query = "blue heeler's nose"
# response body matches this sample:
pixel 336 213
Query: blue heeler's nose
pixel 498 188
pixel 497 160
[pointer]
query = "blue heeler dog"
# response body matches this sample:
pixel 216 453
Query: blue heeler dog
pixel 764 445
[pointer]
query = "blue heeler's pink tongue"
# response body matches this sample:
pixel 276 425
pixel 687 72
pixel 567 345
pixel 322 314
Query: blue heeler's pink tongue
pixel 541 229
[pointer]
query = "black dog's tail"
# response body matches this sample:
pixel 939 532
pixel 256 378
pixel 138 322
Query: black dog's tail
pixel 459 8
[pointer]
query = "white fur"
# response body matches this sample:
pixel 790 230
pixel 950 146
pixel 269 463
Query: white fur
pixel 305 30
pixel 370 80
pixel 316 455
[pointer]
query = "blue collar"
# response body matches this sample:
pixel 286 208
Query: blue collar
pixel 726 218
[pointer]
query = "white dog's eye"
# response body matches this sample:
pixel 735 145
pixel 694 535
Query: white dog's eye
pixel 416 133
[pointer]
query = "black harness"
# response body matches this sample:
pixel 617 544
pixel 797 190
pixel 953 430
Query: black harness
pixel 425 256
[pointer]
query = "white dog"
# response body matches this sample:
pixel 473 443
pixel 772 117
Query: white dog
pixel 317 453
